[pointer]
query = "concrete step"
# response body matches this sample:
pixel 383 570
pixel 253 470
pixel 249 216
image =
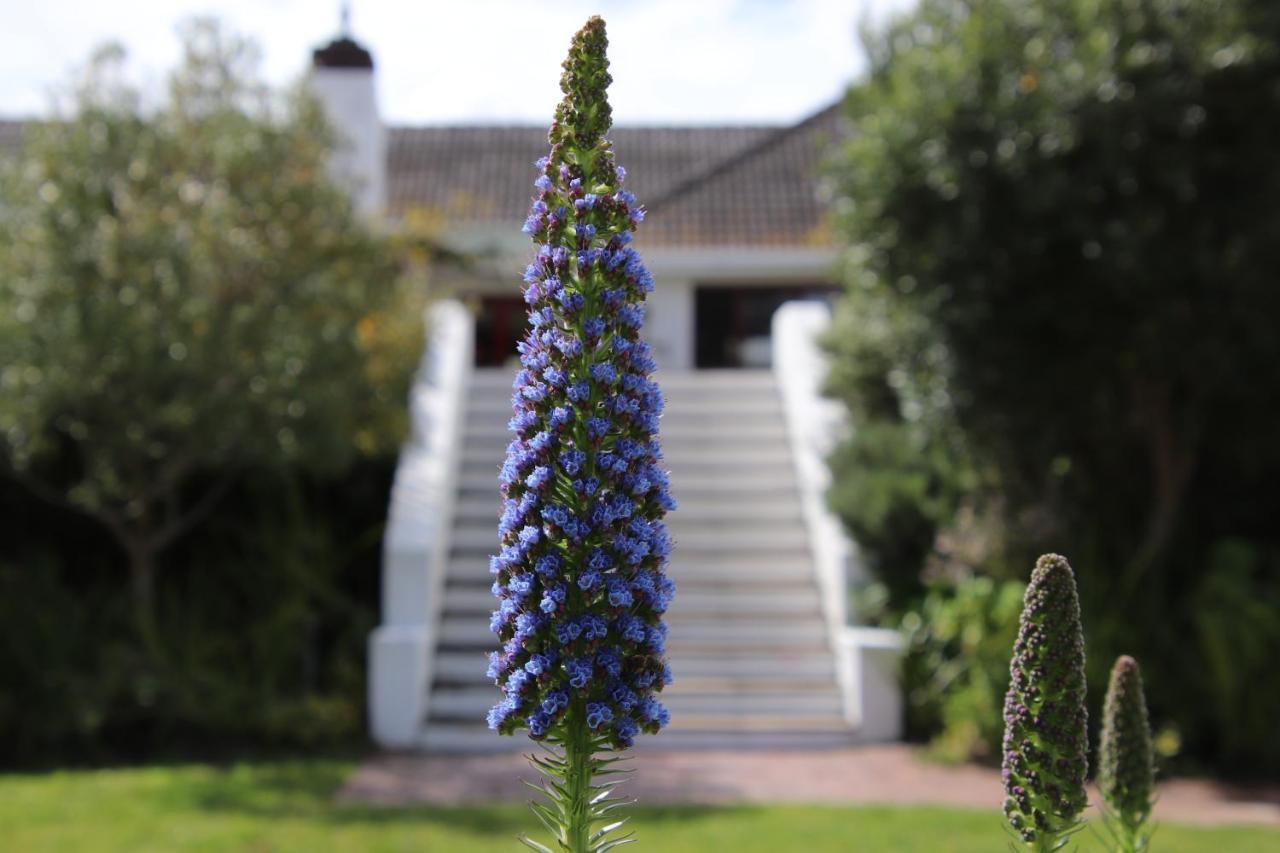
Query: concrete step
pixel 724 636
pixel 685 532
pixel 724 539
pixel 679 407
pixel 466 670
pixel 474 702
pixel 485 428
pixel 828 720
pixel 468 667
pixel 760 633
pixel 762 466
pixel 458 737
pixel 710 511
pixel 802 602
pixel 747 571
pixel 765 457
pixel 686 486
pixel 788 540
pixel 682 613
pixel 705 394
pixel 679 417
pixel 500 378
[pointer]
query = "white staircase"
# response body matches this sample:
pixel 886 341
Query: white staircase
pixel 753 657
pixel 760 643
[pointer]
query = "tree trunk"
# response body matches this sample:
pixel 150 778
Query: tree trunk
pixel 1171 443
pixel 142 584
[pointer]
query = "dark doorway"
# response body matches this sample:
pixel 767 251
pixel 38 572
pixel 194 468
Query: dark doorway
pixel 732 323
pixel 500 325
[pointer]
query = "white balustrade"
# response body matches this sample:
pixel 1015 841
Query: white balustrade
pixel 866 658
pixel 416 544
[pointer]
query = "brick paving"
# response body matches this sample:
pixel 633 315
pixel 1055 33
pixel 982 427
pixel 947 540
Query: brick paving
pixel 894 774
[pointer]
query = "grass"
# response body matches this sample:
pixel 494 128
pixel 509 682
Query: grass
pixel 288 806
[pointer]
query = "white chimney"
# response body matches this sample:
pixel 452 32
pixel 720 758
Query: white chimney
pixel 342 79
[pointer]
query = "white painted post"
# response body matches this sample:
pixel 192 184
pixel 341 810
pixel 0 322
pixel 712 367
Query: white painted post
pixel 876 656
pixel 416 545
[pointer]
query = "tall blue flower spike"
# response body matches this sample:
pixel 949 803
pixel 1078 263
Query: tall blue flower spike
pixel 580 571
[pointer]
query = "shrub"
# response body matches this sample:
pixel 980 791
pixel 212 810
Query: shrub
pixel 263 615
pixel 204 360
pixel 184 297
pixel 956 667
pixel 1062 239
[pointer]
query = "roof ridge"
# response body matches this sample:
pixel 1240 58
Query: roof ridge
pixel 738 157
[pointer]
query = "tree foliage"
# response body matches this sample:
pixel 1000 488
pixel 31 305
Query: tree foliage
pixel 185 295
pixel 1061 313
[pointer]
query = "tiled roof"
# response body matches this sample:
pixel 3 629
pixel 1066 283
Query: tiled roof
pixel 705 185
pixel 771 194
pixel 719 186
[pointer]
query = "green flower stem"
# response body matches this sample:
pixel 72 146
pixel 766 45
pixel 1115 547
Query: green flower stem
pixel 577 755
pixel 1048 844
pixel 578 802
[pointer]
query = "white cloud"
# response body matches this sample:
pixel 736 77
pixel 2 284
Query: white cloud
pixel 673 61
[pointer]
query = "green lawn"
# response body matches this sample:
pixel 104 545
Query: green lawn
pixel 287 806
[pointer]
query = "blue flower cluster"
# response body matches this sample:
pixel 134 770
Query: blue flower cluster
pixel 580 574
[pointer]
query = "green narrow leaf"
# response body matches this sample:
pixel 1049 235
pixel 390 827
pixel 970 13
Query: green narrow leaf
pixel 552 821
pixel 605 830
pixel 615 804
pixel 530 843
pixel 629 838
pixel 603 794
pixel 541 789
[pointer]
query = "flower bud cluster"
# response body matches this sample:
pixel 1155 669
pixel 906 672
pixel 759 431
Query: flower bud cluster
pixel 580 575
pixel 1126 775
pixel 1045 737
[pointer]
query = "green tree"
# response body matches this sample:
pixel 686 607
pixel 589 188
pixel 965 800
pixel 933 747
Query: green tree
pixel 185 295
pixel 1060 319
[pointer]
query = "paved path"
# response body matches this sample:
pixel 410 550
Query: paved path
pixel 894 774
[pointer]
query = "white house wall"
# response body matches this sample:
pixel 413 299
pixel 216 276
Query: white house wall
pixel 669 322
pixel 677 272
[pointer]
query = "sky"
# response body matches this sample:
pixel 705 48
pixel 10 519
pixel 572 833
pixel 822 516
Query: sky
pixel 482 61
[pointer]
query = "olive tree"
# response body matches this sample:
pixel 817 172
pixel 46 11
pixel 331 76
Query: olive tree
pixel 184 294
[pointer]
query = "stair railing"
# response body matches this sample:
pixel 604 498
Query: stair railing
pixel 866 658
pixel 416 543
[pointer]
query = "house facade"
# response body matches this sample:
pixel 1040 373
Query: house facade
pixel 737 220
